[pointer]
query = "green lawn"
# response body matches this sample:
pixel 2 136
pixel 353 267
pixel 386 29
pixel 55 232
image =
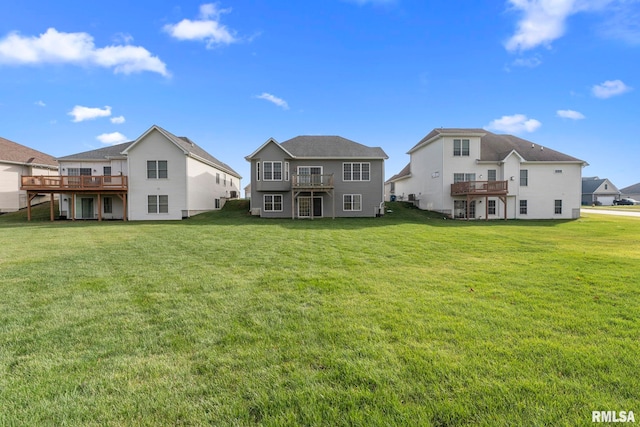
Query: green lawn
pixel 227 319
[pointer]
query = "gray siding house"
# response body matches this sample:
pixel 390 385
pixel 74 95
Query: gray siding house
pixel 315 177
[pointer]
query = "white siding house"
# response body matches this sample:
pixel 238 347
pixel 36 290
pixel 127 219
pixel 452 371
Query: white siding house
pixel 476 174
pixel 159 176
pixel 17 161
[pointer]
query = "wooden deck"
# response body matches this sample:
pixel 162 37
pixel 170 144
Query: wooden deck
pixel 480 188
pixel 312 182
pixel 70 184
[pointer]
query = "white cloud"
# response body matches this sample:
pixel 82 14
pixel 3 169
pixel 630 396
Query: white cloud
pixel 55 47
pixel 544 21
pixel 40 103
pixel 111 138
pixel 609 88
pixel 570 114
pixel 117 120
pixel 516 123
pixel 81 113
pixel 274 99
pixel 207 28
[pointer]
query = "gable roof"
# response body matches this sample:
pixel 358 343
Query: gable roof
pixel 591 183
pixel 120 151
pixel 189 148
pixel 330 147
pixel 494 147
pixel 267 142
pixel 12 152
pixel 404 173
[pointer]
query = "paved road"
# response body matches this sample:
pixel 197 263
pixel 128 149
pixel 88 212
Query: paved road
pixel 611 212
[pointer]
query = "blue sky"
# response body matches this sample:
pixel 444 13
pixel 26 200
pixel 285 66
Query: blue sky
pixel 231 74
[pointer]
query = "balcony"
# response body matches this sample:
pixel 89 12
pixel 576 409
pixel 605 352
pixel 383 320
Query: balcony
pixel 83 183
pixel 480 188
pixel 312 182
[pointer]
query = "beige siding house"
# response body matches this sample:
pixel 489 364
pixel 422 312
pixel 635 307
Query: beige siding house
pixel 476 174
pixel 159 176
pixel 17 161
pixel 317 176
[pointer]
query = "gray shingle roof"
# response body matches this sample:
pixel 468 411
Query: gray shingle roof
pixel 494 147
pixel 17 153
pixel 632 189
pixel 334 147
pixel 591 184
pixel 406 171
pixel 99 154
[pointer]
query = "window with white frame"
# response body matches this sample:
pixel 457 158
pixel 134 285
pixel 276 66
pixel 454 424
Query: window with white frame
pixel 106 172
pixel 79 171
pixel 157 204
pixel 491 207
pixel 217 204
pixel 157 169
pixel 257 171
pixel 558 207
pixel 352 202
pixel 272 171
pixel 286 171
pixel 523 207
pixel 524 177
pixel 462 177
pixel 356 171
pixel 491 175
pixel 460 147
pixel 108 205
pixel 273 202
pixel 224 179
pixel 217 178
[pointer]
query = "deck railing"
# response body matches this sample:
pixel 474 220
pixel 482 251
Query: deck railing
pixel 74 183
pixel 480 188
pixel 312 181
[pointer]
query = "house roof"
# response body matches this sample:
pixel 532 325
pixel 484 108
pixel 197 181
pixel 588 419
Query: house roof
pixel 590 184
pixel 494 147
pixel 12 152
pixel 330 147
pixel 632 189
pixel 100 154
pixel 182 142
pixel 404 173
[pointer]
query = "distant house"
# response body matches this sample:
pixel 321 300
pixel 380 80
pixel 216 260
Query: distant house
pixel 17 161
pixel 247 191
pixel 476 174
pixel 159 176
pixel 394 187
pixel 598 191
pixel 632 191
pixel 317 176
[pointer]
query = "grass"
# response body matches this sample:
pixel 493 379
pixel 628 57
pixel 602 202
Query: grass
pixel 228 319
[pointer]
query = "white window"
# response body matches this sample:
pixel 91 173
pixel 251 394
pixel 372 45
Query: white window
pixel 460 147
pixel 157 169
pixel 217 203
pixel 524 178
pixel 463 177
pixel 523 207
pixel 108 205
pixel 558 207
pixel 217 178
pixel 157 204
pixel 272 171
pixel 356 171
pixel 491 175
pixel 491 207
pixel 224 179
pixel 257 171
pixel 352 202
pixel 286 171
pixel 273 202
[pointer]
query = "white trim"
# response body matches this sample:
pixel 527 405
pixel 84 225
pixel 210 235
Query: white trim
pixel 352 202
pixel 264 202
